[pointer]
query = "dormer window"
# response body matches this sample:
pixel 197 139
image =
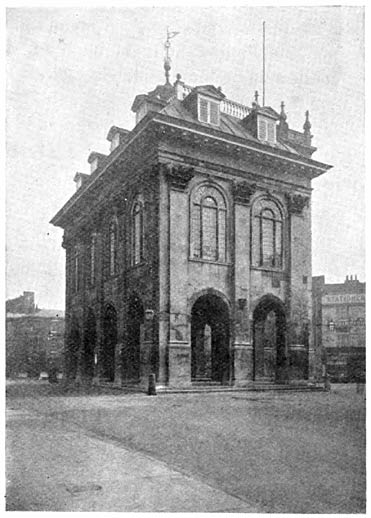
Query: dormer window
pixel 261 123
pixel 208 111
pixel 266 130
pixel 80 179
pixel 115 142
pixel 116 136
pixel 142 112
pixel 96 160
pixel 94 165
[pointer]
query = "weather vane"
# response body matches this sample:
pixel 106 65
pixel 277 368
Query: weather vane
pixel 167 60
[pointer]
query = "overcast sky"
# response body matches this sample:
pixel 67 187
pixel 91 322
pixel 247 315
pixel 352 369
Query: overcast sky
pixel 73 73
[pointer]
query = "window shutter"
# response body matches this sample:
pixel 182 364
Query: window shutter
pixel 203 110
pixel 262 129
pixel 271 132
pixel 214 113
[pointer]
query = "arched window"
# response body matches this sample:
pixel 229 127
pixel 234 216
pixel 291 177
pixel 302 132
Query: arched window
pixel 112 245
pixel 92 253
pixel 76 270
pixel 267 235
pixel 137 232
pixel 208 225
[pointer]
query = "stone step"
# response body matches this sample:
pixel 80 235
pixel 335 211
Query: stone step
pixel 250 388
pixel 205 383
pixel 214 386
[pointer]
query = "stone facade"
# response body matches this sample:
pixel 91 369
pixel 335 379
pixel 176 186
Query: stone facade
pixel 339 312
pixel 188 248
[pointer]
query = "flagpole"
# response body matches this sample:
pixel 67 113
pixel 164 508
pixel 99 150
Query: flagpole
pixel 263 63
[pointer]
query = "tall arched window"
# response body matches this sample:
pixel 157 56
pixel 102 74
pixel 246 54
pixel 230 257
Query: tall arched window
pixel 208 225
pixel 112 244
pixel 92 253
pixel 267 235
pixel 137 232
pixel 76 270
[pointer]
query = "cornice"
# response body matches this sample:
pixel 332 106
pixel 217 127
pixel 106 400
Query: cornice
pixel 252 177
pixel 208 135
pixel 160 125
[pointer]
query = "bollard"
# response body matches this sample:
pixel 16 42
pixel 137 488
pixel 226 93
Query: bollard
pixel 152 385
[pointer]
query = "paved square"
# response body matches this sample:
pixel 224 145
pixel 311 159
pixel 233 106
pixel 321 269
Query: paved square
pixel 278 452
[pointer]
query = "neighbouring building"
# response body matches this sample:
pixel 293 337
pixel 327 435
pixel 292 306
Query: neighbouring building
pixel 339 312
pixel 24 304
pixel 34 337
pixel 188 246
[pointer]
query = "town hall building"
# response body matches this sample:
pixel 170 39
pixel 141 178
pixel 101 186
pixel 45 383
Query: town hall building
pixel 188 246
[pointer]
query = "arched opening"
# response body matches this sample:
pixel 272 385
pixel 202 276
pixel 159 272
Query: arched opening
pixel 109 344
pixel 210 340
pixel 135 321
pixel 270 359
pixel 73 348
pixel 90 338
pixel 208 224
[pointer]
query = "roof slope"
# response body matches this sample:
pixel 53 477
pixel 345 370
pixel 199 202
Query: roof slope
pixel 228 124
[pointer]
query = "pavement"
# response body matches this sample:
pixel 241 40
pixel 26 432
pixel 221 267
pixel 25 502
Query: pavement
pixel 55 465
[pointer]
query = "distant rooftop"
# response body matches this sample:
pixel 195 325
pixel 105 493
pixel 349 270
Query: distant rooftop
pixel 351 284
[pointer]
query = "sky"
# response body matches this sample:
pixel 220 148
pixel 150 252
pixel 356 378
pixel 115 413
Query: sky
pixel 72 73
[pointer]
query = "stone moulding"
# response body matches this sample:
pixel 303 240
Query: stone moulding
pixel 179 343
pixel 243 345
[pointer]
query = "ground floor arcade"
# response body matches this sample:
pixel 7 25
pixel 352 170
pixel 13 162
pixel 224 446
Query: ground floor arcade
pixel 126 351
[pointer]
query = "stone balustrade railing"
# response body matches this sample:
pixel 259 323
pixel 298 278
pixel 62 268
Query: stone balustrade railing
pixel 235 109
pixel 226 106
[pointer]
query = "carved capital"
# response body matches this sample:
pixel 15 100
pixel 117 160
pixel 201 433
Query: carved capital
pixel 242 192
pixel 155 169
pixel 118 202
pixel 296 203
pixel 66 241
pixel 179 176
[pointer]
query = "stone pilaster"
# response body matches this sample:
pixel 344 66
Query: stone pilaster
pixel 243 363
pixel 179 364
pixel 242 349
